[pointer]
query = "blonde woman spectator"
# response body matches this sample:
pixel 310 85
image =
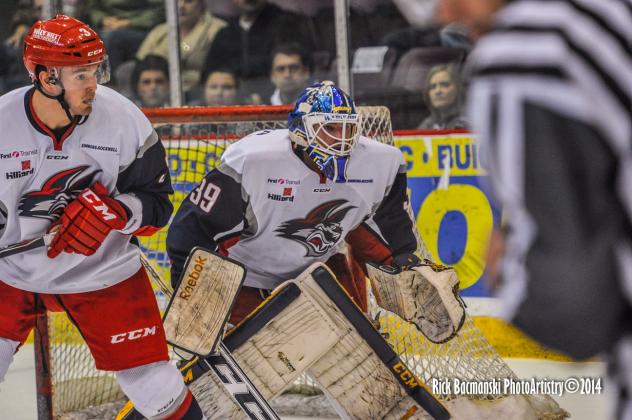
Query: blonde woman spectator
pixel 442 93
pixel 198 28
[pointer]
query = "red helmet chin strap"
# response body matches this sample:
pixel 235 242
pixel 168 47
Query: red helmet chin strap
pixel 59 98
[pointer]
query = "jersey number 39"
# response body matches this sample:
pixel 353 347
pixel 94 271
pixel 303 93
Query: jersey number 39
pixel 205 195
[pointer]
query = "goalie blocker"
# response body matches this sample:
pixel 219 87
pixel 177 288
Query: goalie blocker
pixel 426 294
pixel 311 324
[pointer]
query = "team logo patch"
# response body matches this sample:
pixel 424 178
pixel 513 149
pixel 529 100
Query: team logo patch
pixel 320 230
pixel 55 194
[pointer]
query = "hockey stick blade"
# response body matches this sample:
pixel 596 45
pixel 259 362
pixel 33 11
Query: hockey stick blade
pixel 26 245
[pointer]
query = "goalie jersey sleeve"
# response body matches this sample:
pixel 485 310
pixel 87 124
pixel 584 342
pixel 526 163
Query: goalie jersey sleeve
pixel 212 212
pixel 391 231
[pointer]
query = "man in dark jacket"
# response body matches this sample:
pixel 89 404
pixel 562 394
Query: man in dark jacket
pixel 245 44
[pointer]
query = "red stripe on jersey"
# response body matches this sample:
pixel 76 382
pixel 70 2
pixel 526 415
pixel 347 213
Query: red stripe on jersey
pixel 367 246
pixel 224 246
pixel 57 144
pixel 146 230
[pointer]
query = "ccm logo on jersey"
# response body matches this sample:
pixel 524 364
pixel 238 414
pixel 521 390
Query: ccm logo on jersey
pixel 133 335
pixel 98 205
pixel 57 157
pixel 322 189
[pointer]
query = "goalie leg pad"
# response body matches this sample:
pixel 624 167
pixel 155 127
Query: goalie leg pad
pixel 274 349
pixel 426 295
pixel 273 346
pixel 362 372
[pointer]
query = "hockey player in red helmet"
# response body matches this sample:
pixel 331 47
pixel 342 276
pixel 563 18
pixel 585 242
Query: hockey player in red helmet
pixel 86 164
pixel 66 59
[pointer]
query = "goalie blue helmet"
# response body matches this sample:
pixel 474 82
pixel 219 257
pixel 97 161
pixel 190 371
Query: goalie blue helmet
pixel 325 123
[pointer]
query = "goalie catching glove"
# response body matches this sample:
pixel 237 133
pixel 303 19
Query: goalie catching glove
pixel 423 293
pixel 86 222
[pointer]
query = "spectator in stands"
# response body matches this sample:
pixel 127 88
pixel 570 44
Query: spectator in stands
pixel 290 74
pixel 443 94
pixel 197 30
pixel 220 88
pixel 123 24
pixel 245 44
pixel 150 82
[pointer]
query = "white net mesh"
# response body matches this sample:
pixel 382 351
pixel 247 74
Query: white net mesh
pixel 194 142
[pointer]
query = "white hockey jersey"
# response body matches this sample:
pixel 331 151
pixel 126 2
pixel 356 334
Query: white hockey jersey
pixel 284 215
pixel 40 173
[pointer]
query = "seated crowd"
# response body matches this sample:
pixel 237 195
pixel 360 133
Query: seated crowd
pixel 264 52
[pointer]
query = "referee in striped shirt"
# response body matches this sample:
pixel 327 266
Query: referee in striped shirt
pixel 551 99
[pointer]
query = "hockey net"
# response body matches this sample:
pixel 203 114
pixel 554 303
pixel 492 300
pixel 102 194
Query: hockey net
pixel 194 140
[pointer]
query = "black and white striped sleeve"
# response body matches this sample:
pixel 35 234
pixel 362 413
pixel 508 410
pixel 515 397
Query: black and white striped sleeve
pixel 551 99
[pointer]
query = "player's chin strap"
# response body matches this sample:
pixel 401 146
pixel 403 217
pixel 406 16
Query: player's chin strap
pixel 60 98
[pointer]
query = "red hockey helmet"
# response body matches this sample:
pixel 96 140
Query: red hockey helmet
pixel 63 42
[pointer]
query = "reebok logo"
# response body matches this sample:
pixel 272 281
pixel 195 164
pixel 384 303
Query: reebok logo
pixel 98 205
pixel 192 278
pixel 133 335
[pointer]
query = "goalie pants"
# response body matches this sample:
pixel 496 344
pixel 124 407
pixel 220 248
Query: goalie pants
pixel 348 272
pixel 121 324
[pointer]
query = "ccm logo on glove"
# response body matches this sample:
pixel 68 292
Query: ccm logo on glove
pixel 92 198
pixel 86 222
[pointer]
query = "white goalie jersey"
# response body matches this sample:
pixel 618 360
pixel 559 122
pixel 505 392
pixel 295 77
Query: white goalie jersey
pixel 276 216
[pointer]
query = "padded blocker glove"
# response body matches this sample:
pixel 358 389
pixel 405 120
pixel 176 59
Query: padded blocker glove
pixel 86 222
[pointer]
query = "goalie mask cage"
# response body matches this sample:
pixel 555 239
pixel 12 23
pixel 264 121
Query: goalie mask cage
pixel 194 139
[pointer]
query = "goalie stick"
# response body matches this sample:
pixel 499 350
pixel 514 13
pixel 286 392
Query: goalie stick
pixel 221 362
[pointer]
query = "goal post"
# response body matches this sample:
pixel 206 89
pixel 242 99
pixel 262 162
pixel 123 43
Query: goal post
pixel 194 139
